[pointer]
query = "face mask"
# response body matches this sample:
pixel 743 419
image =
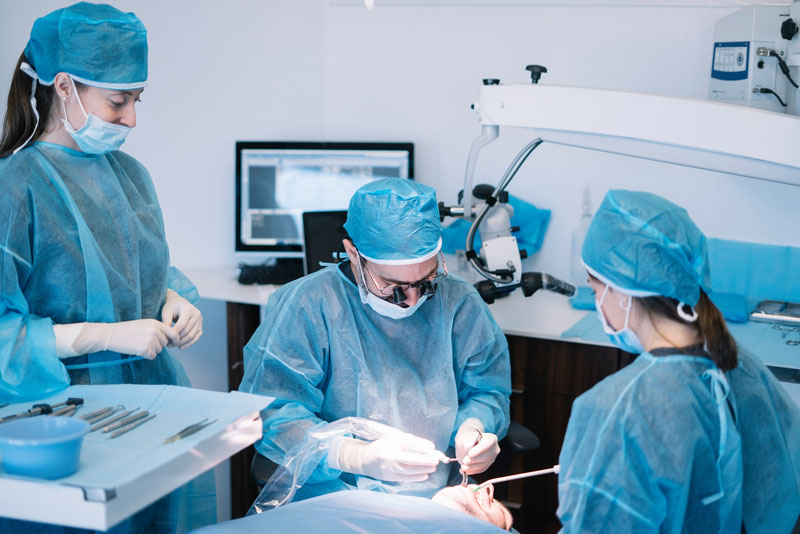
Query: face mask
pixel 96 136
pixel 626 338
pixel 384 307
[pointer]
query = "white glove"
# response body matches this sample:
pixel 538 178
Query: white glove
pixel 143 337
pixel 398 458
pixel 188 319
pixel 475 450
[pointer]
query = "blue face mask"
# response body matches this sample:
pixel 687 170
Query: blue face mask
pixel 625 338
pixel 96 136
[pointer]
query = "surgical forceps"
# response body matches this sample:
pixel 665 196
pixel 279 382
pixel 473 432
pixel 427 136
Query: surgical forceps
pixel 785 329
pixel 189 430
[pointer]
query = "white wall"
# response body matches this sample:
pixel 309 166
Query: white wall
pixel 407 71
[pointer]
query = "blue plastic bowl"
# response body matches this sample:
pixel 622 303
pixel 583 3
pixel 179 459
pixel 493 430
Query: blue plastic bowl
pixel 42 446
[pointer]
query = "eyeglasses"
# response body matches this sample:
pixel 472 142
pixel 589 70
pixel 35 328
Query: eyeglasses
pixel 397 292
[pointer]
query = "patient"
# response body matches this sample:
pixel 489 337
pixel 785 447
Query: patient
pixel 354 511
pixel 480 504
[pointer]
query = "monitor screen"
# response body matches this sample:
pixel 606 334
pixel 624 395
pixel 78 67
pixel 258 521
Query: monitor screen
pixel 277 181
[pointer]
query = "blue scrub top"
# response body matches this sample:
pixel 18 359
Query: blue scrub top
pixel 325 355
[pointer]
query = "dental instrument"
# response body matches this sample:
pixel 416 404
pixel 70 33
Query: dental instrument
pixel 131 426
pixel 189 430
pixel 554 470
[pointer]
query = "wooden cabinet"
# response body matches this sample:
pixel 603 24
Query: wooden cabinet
pixel 547 376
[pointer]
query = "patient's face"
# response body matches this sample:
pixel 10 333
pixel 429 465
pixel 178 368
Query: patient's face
pixel 480 504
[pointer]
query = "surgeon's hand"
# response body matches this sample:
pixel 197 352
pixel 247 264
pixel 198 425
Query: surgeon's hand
pixel 188 319
pixel 398 458
pixel 142 337
pixel 475 449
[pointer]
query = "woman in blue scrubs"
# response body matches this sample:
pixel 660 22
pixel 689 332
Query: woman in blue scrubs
pixel 87 294
pixel 696 435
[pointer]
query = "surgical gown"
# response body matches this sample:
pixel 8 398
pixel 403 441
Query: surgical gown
pixel 641 450
pixel 324 355
pixel 82 239
pixel 769 423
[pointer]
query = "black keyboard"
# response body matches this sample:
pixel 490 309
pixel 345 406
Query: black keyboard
pixel 283 271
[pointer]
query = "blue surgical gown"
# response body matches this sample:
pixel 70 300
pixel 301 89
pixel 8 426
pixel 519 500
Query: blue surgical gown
pixel 769 423
pixel 82 239
pixel 324 355
pixel 641 449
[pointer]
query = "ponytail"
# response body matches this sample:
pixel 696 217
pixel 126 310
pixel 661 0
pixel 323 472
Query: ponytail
pixel 20 120
pixel 709 323
pixel 719 342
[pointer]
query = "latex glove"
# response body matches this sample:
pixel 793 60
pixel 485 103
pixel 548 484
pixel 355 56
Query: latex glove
pixel 188 319
pixel 475 457
pixel 398 458
pixel 143 337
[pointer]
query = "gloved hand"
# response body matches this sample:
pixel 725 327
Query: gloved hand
pixel 475 449
pixel 397 458
pixel 188 319
pixel 143 337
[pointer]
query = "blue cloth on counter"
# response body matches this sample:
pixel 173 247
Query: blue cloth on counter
pixel 324 355
pixel 733 307
pixel 759 338
pixel 532 222
pixel 583 299
pixel 350 512
pixel 755 271
pixel 587 328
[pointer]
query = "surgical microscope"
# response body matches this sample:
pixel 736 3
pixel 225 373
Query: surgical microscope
pixel 500 258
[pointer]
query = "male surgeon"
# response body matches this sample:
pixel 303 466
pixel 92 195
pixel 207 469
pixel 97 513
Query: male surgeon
pixel 389 336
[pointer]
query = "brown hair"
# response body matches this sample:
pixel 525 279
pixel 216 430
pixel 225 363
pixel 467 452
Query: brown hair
pixel 20 120
pixel 710 326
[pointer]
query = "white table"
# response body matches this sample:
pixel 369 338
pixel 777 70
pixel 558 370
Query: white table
pixel 118 477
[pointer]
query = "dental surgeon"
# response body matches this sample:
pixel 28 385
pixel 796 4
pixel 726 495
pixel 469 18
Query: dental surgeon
pixel 695 435
pixel 388 336
pixel 87 294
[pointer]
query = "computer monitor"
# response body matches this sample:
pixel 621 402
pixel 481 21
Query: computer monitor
pixel 276 181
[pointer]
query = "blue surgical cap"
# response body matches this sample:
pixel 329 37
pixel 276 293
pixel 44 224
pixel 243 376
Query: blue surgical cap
pixel 644 245
pixel 395 221
pixel 96 44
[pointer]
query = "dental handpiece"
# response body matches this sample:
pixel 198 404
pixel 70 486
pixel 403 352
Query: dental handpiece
pixel 554 470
